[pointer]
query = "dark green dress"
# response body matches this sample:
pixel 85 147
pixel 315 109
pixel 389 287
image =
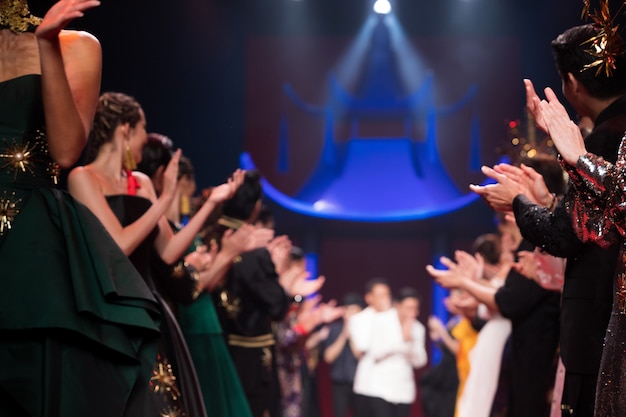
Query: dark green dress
pixel 221 388
pixel 78 325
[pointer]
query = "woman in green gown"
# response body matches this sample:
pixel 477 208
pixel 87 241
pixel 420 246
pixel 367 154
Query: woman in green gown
pixel 221 389
pixel 78 326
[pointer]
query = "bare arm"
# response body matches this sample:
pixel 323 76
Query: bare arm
pixel 172 247
pixel 450 342
pixel 71 66
pixel 85 188
pixel 484 293
pixel 333 350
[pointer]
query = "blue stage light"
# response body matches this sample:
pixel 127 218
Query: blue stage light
pixel 382 7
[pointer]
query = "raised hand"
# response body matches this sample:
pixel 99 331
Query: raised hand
pixel 329 311
pixel 62 13
pixel 259 238
pixel 533 183
pixel 280 251
pixel 472 265
pixel 227 190
pixel 526 264
pixel 435 328
pixel 200 258
pixel 170 176
pixel 533 105
pixel 538 189
pixel 499 196
pixel 302 285
pixel 564 132
pixel 451 278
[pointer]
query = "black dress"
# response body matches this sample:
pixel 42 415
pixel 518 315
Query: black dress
pixel 534 315
pixel 438 386
pixel 174 389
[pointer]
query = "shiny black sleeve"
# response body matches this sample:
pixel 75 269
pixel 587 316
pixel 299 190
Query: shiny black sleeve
pixel 553 232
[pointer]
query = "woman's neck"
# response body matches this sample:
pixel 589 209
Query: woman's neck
pixel 108 162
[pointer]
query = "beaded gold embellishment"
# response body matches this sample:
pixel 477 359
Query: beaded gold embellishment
pixel 232 306
pixel 21 157
pixel 606 46
pixel 17 157
pixel 9 208
pixel 172 412
pixel 15 16
pixel 163 379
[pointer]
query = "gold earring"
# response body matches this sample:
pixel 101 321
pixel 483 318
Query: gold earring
pixel 129 159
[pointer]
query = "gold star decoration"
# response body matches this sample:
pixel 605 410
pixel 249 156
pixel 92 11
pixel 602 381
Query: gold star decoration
pixel 606 45
pixel 163 379
pixel 8 210
pixel 172 412
pixel 17 157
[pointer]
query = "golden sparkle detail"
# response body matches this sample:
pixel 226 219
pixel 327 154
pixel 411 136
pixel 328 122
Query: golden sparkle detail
pixel 9 208
pixel 17 157
pixel 163 379
pixel 606 46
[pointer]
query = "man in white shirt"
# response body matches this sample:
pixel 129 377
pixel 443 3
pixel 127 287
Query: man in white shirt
pixel 391 343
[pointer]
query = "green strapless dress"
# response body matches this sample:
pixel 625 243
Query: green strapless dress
pixel 78 325
pixel 221 389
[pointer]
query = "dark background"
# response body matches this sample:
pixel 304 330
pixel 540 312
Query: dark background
pixel 193 65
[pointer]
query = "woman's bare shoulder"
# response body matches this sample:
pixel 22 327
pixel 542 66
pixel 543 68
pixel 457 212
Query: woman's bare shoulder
pixel 78 42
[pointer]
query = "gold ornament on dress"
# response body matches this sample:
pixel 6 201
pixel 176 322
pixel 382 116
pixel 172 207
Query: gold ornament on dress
pixel 9 208
pixel 17 157
pixel 172 412
pixel 163 379
pixel 15 16
pixel 606 46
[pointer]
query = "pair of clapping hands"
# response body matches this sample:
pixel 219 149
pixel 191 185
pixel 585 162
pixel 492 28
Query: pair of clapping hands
pixel 544 269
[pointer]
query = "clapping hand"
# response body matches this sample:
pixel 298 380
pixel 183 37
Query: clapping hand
pixel 280 251
pixel 201 259
pixel 454 276
pixel 170 176
pixel 227 190
pixel 533 104
pixel 60 15
pixel 500 195
pixel 564 132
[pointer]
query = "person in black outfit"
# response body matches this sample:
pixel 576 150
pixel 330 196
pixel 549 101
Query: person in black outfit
pixel 588 286
pixel 338 354
pixel 247 302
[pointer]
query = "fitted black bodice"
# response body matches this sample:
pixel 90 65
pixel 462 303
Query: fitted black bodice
pixel 129 208
pixel 24 158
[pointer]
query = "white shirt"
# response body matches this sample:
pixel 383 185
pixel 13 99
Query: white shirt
pixel 386 368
